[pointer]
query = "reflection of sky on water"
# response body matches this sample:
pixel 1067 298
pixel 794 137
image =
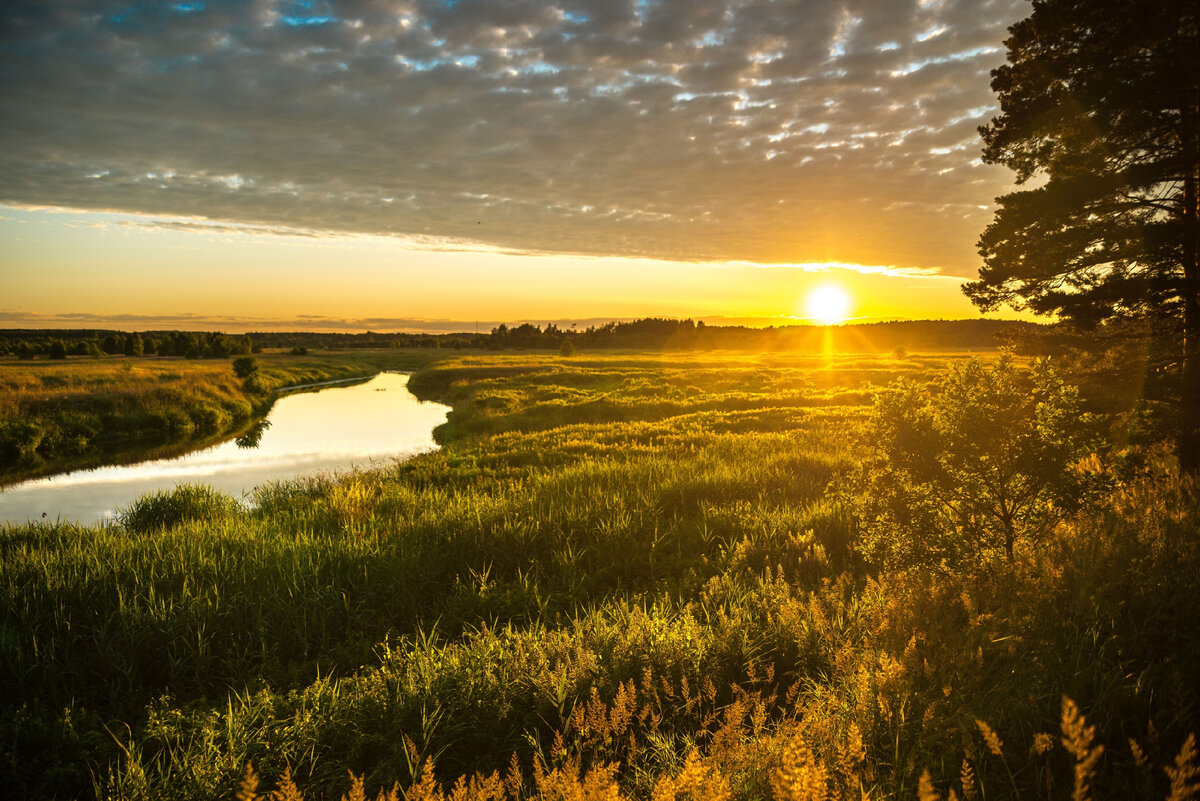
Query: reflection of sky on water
pixel 333 429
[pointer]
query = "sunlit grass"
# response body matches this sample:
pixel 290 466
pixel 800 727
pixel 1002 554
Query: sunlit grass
pixel 633 570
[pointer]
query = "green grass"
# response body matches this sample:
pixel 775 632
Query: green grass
pixel 78 413
pixel 644 553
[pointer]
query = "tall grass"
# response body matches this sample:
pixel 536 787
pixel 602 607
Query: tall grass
pixel 624 575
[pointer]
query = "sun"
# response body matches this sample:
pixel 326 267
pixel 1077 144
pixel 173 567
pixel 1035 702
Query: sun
pixel 827 305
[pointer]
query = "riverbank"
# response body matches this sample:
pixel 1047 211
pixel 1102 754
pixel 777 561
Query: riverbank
pixel 86 412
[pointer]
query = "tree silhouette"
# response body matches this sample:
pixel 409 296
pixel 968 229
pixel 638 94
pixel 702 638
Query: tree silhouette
pixel 1100 105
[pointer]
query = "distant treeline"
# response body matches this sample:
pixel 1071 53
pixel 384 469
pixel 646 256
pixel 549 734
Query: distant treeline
pixel 59 344
pixel 656 333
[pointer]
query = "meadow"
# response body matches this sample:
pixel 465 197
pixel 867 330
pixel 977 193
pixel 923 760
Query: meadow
pixel 629 575
pixel 83 412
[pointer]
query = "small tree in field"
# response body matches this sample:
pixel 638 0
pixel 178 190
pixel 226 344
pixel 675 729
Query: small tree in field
pixel 245 366
pixel 970 468
pixel 567 348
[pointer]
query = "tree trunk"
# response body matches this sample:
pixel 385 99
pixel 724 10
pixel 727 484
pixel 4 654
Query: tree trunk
pixel 1189 408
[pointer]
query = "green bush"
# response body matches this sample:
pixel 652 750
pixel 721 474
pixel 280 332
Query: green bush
pixel 160 510
pixel 245 366
pixel 173 422
pixel 20 439
pixel 972 467
pixel 210 419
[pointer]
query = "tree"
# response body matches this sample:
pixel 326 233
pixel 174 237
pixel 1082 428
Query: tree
pixel 134 345
pixel 1100 105
pixel 58 349
pixel 245 366
pixel 969 469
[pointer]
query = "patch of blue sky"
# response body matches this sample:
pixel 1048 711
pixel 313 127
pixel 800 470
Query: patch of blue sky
pixel 303 22
pixel 972 114
pixel 576 17
pixel 645 7
pixel 931 32
pixel 963 55
pixel 144 14
pixel 683 97
pixel 609 89
pixel 188 8
pixel 426 64
pixel 709 39
pixel 540 68
pixel 124 15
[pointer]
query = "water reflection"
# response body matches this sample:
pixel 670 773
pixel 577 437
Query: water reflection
pixel 334 429
pixel 253 437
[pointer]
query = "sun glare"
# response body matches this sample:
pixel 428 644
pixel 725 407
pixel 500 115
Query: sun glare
pixel 827 305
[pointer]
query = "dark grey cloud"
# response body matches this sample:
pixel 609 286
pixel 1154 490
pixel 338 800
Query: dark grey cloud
pixel 806 130
pixel 12 318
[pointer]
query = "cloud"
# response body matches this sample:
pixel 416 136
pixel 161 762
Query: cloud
pixel 708 130
pixel 19 319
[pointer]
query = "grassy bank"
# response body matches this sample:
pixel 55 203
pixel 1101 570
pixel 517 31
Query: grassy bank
pixel 73 413
pixel 634 573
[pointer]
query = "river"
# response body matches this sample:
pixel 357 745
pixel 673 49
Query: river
pixel 331 429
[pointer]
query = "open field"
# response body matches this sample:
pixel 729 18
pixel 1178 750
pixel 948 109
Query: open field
pixel 85 412
pixel 632 572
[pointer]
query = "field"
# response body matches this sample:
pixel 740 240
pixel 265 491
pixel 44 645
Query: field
pixel 636 574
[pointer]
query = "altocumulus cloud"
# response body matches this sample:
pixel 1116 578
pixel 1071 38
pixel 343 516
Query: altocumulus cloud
pixel 813 130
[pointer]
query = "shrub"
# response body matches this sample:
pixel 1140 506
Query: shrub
pixel 256 385
pixel 567 348
pixel 210 419
pixel 173 421
pixel 20 439
pixel 969 468
pixel 245 366
pixel 160 510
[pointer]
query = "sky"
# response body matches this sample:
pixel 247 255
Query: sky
pixel 421 164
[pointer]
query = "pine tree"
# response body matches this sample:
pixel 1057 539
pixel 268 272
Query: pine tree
pixel 1100 109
